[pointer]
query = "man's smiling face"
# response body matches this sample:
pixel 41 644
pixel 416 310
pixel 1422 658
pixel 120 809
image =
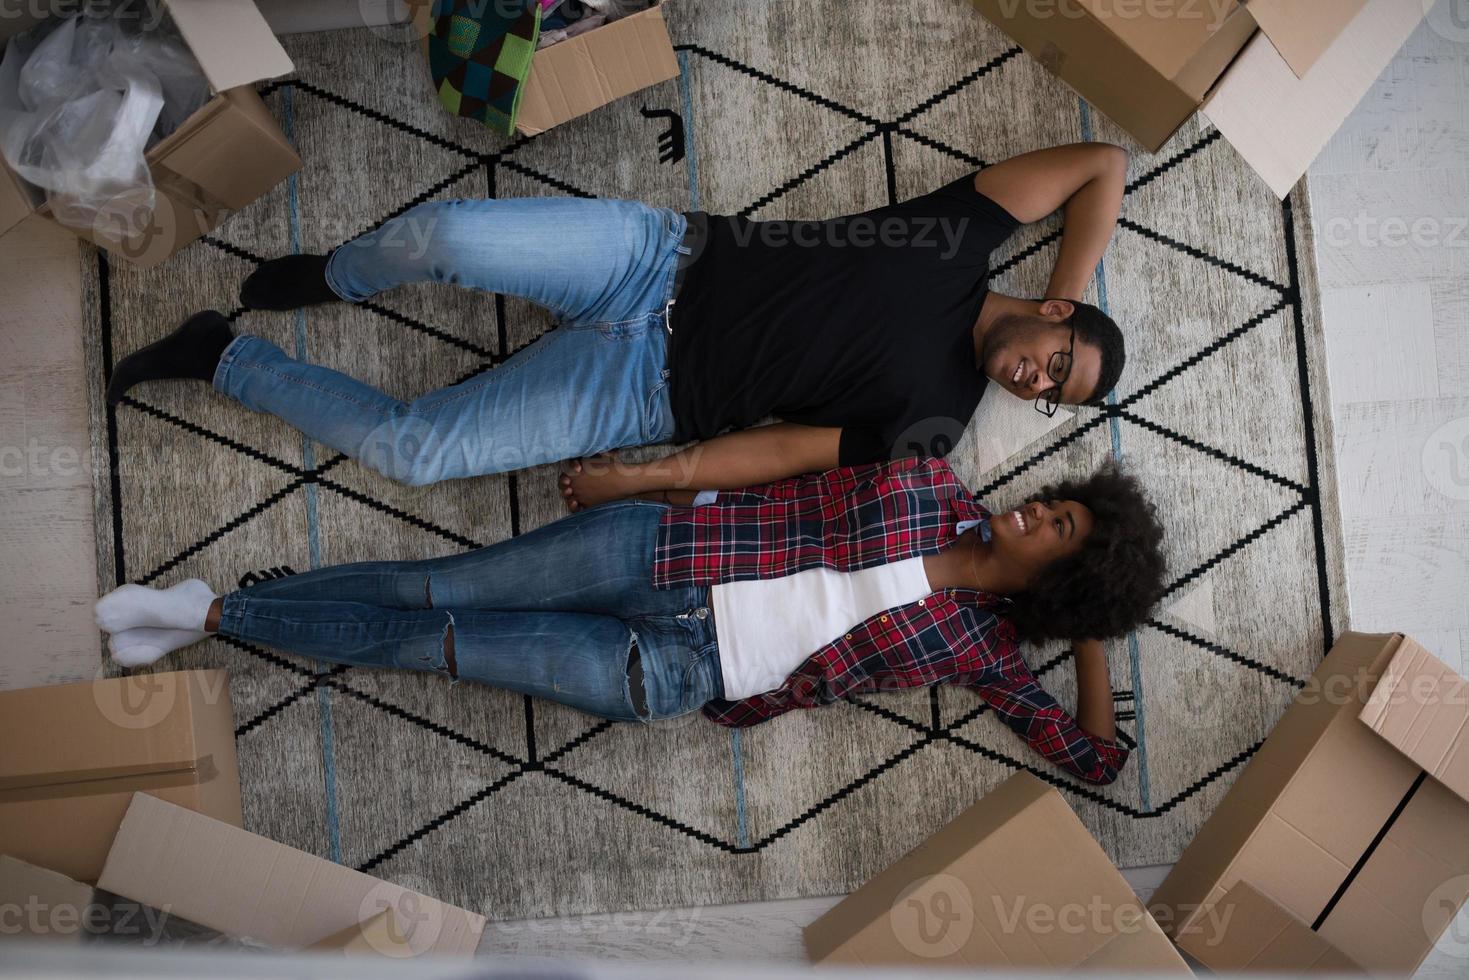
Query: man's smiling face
pixel 1018 350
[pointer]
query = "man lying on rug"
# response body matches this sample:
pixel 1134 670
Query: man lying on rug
pixel 871 336
pixel 787 595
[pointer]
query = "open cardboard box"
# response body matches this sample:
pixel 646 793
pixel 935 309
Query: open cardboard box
pixel 1276 77
pixel 582 73
pixel 225 155
pixel 73 755
pixel 1351 817
pixel 1015 881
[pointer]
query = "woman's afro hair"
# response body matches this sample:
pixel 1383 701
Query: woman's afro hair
pixel 1110 586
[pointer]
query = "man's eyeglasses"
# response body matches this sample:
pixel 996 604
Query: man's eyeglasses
pixel 1059 369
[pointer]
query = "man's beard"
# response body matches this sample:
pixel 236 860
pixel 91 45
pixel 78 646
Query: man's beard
pixel 1007 329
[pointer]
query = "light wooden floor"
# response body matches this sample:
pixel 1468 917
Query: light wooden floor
pixel 1397 323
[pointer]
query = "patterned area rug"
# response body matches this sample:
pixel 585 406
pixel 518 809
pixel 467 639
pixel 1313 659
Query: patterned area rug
pixel 518 808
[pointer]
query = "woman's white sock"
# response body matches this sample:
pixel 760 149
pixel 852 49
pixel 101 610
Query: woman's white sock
pixel 143 645
pixel 181 607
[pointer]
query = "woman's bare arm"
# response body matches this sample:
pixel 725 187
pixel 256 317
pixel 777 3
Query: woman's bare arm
pixel 1094 709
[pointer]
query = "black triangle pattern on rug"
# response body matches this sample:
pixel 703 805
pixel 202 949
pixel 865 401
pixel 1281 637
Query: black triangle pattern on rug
pixel 545 760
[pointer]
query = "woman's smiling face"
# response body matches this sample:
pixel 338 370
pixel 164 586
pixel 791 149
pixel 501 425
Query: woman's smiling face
pixel 1038 533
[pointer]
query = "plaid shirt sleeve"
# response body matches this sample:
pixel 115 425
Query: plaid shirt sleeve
pixel 1035 716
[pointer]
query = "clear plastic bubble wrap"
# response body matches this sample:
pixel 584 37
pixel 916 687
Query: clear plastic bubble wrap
pixel 82 98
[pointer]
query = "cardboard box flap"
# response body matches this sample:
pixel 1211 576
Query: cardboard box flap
pixel 1302 29
pixel 232 41
pixel 1277 121
pixel 1252 933
pixel 169 857
pixel 106 729
pixel 380 935
pixel 1421 706
pixel 1168 43
pixel 63 902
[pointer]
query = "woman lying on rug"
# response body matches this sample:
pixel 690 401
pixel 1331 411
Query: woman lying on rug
pixel 642 609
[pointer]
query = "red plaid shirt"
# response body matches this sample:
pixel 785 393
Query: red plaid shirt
pixel 856 517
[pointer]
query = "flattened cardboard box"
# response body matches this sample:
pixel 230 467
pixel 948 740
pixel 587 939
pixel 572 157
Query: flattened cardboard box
pixel 224 156
pixel 1277 77
pixel 582 73
pixel 245 885
pixel 1335 825
pixel 38 904
pixel 1016 880
pixel 72 756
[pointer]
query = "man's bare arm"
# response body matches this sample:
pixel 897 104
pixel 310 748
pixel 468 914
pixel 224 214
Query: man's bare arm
pixel 1087 179
pixel 744 458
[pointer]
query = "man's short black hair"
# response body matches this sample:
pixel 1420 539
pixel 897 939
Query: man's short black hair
pixel 1110 585
pixel 1098 329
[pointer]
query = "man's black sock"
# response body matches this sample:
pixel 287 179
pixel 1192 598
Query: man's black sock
pixel 288 283
pixel 192 351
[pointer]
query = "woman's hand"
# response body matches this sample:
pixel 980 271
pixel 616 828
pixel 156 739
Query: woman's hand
pixel 596 480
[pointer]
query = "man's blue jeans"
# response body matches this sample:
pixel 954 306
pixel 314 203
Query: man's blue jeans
pixel 553 613
pixel 597 382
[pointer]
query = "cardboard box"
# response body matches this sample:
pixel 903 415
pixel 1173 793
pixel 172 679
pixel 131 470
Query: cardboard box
pixel 1013 881
pixel 582 73
pixel 380 935
pixel 73 755
pixel 1334 824
pixel 244 885
pixel 221 158
pixel 1277 77
pixel 43 905
pixel 1262 937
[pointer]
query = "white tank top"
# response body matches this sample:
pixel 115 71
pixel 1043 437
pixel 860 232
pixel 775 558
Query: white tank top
pixel 768 627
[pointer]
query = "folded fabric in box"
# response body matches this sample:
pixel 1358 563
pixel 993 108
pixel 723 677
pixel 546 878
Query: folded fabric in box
pixel 480 55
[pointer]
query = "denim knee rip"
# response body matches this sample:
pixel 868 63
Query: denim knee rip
pixel 636 690
pixel 449 664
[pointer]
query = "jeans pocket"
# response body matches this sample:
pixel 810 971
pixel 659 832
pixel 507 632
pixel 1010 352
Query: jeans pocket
pixel 657 414
pixel 700 686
